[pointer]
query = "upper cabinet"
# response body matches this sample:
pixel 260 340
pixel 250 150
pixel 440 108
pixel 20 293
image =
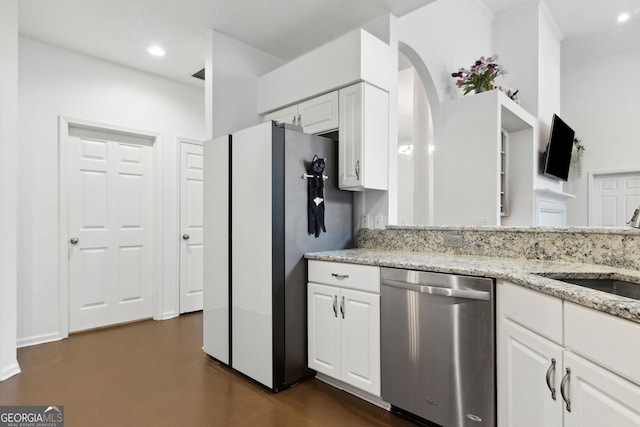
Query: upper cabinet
pixel 316 115
pixel 355 56
pixel 363 133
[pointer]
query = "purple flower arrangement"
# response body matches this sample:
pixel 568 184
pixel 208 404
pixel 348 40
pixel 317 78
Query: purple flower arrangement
pixel 480 76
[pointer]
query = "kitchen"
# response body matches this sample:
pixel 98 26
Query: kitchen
pixel 461 55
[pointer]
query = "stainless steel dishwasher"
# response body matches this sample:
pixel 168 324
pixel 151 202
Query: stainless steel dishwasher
pixel 438 347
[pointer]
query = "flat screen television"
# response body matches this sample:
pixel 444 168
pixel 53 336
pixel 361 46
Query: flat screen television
pixel 557 156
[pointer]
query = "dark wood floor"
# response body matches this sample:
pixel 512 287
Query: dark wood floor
pixel 155 373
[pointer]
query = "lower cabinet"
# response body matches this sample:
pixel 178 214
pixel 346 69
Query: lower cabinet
pixel 527 399
pixel 344 335
pixel 543 382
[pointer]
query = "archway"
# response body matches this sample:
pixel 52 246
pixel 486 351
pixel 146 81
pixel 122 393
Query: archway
pixel 418 115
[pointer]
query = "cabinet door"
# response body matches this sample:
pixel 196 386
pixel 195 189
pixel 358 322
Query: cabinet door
pixel 319 114
pixel 360 340
pixel 350 135
pixel 598 397
pixel 286 115
pixel 323 329
pixel 525 361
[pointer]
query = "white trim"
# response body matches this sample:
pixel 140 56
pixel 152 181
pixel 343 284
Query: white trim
pixel 39 339
pixel 64 122
pixel 591 177
pixel 9 371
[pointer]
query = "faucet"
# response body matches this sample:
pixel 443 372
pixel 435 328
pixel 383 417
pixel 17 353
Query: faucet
pixel 635 219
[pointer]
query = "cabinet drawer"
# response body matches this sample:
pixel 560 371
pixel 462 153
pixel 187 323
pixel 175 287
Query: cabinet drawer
pixel 352 276
pixel 608 340
pixel 534 310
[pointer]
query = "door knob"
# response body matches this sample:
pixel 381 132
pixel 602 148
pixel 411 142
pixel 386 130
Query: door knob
pixel 185 236
pixel 74 240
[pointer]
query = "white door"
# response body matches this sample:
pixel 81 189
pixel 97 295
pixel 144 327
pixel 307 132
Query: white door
pixel 324 329
pixel 598 397
pixel 191 226
pixel 527 362
pixel 110 228
pixel 613 198
pixel 360 340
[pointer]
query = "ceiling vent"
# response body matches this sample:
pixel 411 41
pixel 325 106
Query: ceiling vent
pixel 198 74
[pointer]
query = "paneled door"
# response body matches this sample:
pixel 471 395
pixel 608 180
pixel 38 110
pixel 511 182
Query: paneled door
pixel 110 180
pixel 191 226
pixel 613 198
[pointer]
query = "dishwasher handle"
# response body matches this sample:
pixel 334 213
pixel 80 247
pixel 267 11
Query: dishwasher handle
pixel 436 290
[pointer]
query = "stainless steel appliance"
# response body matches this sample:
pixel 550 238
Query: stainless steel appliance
pixel 256 233
pixel 438 346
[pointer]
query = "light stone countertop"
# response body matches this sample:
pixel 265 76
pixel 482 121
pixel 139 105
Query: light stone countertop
pixel 533 274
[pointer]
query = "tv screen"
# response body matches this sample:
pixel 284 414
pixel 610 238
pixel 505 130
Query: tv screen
pixel 557 157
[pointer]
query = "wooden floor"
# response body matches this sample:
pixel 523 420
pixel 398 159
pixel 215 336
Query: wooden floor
pixel 155 373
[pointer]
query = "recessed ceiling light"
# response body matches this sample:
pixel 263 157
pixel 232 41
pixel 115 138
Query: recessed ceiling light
pixel 156 51
pixel 623 17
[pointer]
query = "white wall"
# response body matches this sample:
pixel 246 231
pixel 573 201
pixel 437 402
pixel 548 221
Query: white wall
pixel 53 82
pixel 604 114
pixel 8 185
pixel 448 35
pixel 232 70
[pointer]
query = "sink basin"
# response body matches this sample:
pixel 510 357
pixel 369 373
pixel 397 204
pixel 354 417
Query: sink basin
pixel 612 286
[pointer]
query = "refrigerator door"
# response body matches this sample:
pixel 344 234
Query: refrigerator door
pixel 290 279
pixel 216 249
pixel 251 252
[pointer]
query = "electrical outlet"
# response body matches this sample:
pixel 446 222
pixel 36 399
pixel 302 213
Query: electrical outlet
pixel 365 222
pixel 379 221
pixel 453 240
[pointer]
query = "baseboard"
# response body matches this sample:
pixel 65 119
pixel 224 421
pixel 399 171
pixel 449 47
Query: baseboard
pixel 9 371
pixel 373 399
pixel 39 339
pixel 168 315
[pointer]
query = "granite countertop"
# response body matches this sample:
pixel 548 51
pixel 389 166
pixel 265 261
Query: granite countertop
pixel 533 274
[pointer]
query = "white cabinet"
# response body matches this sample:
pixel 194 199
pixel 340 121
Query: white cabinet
pixel 287 115
pixel 598 397
pixel 316 115
pixel 364 137
pixel 344 325
pixel 355 56
pixel 526 399
pixel 561 364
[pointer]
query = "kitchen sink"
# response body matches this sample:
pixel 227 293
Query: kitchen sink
pixel 612 286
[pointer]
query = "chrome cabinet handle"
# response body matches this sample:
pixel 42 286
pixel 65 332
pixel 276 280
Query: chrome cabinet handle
pixel 358 170
pixel 293 122
pixel 563 389
pixel 335 305
pixel 185 236
pixel 74 240
pixel 550 371
pixel 299 120
pixel 340 276
pixel 342 307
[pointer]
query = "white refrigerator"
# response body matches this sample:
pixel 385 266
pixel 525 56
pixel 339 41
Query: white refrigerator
pixel 255 236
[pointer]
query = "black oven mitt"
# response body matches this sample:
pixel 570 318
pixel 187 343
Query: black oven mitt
pixel 315 191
